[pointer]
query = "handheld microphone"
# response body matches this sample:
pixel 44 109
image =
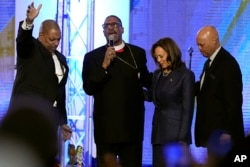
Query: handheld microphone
pixel 111 40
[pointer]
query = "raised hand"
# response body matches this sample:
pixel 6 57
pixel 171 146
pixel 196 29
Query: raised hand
pixel 32 13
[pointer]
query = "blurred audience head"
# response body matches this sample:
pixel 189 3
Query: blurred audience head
pixel 178 155
pixel 29 127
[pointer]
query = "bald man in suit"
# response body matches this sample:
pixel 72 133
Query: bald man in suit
pixel 219 120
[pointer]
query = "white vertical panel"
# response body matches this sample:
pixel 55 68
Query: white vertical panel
pixel 103 8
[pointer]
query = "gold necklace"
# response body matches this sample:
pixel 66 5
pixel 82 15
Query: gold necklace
pixel 164 74
pixel 134 67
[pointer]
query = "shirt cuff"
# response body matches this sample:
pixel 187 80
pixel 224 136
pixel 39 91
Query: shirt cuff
pixel 26 26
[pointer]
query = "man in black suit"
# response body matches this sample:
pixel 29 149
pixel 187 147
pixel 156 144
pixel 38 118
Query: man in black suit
pixel 42 71
pixel 115 75
pixel 219 120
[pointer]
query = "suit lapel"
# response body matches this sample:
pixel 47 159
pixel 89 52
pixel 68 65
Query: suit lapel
pixel 64 67
pixel 216 62
pixel 167 85
pixel 156 80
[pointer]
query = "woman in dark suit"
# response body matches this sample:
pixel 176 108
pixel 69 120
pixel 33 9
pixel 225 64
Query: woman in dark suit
pixel 173 97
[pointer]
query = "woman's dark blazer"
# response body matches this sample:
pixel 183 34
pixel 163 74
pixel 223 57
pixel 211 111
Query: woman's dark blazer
pixel 174 108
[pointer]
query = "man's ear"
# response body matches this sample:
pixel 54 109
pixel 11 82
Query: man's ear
pixel 40 36
pixel 122 30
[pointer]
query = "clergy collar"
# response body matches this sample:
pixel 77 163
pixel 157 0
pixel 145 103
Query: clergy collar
pixel 119 47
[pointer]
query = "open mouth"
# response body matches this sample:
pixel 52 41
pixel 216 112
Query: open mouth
pixel 112 34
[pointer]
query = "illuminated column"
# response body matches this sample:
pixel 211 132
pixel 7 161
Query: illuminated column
pixel 73 18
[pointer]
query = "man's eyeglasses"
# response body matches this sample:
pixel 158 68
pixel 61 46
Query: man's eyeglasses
pixel 113 25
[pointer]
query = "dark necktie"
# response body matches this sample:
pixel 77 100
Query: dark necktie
pixel 207 65
pixel 205 72
pixel 206 69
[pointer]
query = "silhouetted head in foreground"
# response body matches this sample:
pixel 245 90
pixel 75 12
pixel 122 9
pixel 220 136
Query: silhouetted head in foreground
pixel 31 130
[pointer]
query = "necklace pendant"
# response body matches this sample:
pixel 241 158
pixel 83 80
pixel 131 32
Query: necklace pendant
pixel 165 74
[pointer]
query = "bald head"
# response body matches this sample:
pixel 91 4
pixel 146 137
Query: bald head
pixel 48 25
pixel 207 39
pixel 50 35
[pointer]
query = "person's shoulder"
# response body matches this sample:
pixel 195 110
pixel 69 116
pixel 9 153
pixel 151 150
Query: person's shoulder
pixel 184 68
pixel 59 53
pixel 186 71
pixel 157 71
pixel 135 47
pixel 189 71
pixel 97 50
pixel 227 57
pixel 226 54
